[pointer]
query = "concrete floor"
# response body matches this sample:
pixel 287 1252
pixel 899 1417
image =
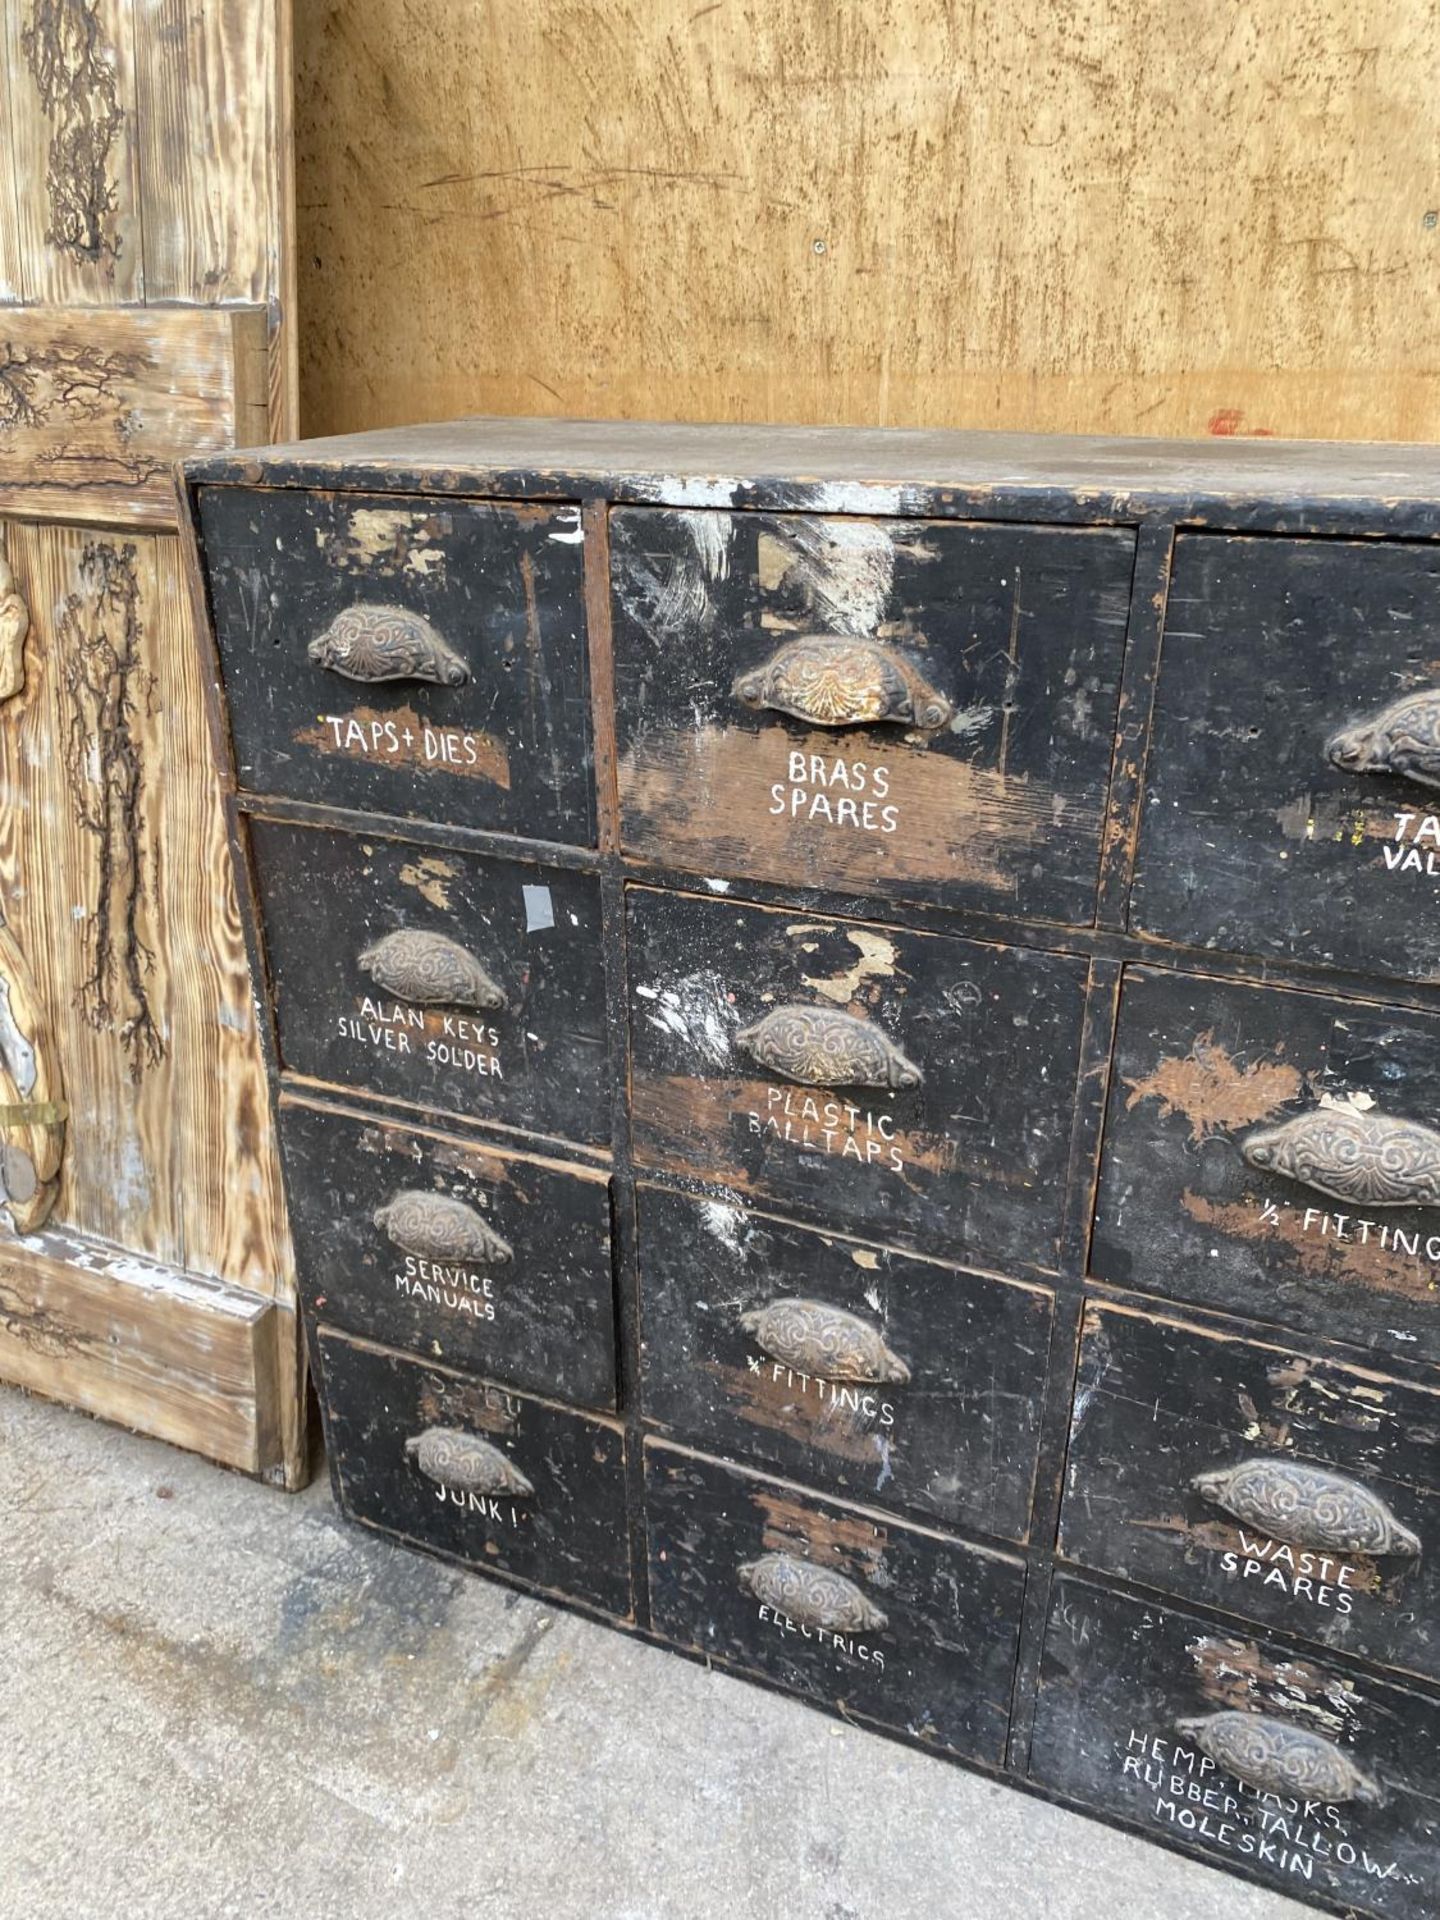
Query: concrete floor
pixel 216 1701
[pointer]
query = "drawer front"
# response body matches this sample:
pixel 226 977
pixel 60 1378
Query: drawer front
pixel 1273 1154
pixel 1271 1483
pixel 857 1369
pixel 472 985
pixel 956 738
pixel 914 1085
pixel 409 656
pixel 469 1469
pixel 894 1625
pixel 1140 1715
pixel 1289 807
pixel 488 1261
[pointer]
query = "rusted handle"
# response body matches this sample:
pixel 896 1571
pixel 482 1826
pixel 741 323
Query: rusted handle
pixel 837 682
pixel 809 1595
pixel 1307 1507
pixel 1403 739
pixel 465 1463
pixel 824 1047
pixel 1368 1157
pixel 373 643
pixel 1280 1758
pixel 436 1227
pixel 816 1338
pixel 430 970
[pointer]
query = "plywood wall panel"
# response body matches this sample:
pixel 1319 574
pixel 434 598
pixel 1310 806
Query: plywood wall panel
pixel 1154 218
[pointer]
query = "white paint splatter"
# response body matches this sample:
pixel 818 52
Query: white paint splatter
pixel 689 490
pixel 725 1222
pixel 844 570
pixel 971 720
pixel 571 532
pixel 1357 1102
pixel 711 534
pixel 697 1011
pixel 855 496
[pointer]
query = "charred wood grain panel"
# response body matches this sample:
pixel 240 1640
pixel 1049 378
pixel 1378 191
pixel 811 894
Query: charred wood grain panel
pixel 1200 1067
pixel 1159 1402
pixel 96 404
pixel 74 149
pixel 1120 1672
pixel 539 1061
pixel 969 1163
pixel 540 1315
pixel 1018 630
pixel 566 1535
pixel 922 1637
pixel 952 1433
pixel 1254 840
pixel 506 745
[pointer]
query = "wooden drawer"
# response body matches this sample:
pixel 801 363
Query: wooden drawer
pixel 857 1369
pixel 746 745
pixel 1289 1488
pixel 1205 1072
pixel 360 1007
pixel 494 1262
pixel 888 1623
pixel 970 1161
pixel 405 655
pixel 466 1468
pixel 1272 825
pixel 1139 1716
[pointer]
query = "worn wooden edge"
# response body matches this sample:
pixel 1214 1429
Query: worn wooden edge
pixel 1139 676
pixel 174 1355
pixel 283 360
pixel 435 1127
pixel 1369 490
pixel 161 382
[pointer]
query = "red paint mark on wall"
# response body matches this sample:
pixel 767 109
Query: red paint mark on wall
pixel 1227 422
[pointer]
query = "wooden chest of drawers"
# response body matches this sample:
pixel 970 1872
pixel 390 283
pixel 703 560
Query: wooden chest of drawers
pixel 855 1027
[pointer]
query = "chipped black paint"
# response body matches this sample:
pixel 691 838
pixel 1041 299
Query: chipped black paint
pixel 508 748
pixel 566 1536
pixel 541 1063
pixel 969 1163
pixel 957 1441
pixel 543 1320
pixel 940 1666
pixel 1120 1673
pixel 1160 1401
pixel 1198 1065
pixel 1018 631
pixel 1253 839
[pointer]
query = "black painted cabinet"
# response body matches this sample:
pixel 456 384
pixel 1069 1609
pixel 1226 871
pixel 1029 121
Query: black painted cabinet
pixel 855 1029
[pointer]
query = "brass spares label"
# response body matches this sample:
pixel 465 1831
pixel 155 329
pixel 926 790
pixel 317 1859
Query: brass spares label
pixel 836 792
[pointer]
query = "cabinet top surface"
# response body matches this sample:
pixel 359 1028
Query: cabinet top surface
pixel 842 469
